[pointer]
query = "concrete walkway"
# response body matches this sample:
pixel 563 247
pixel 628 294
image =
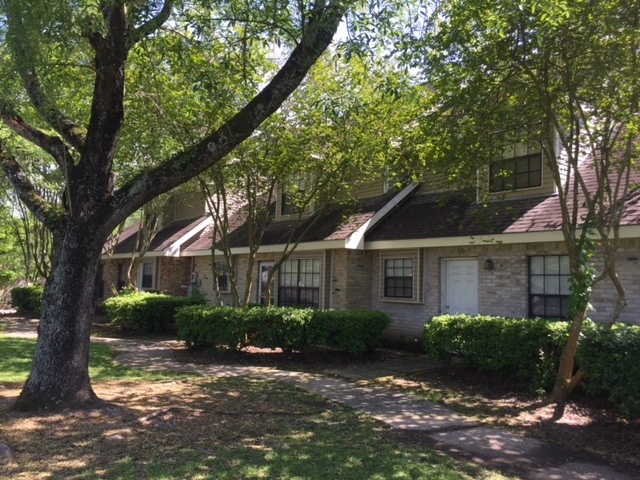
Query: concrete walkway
pixel 437 426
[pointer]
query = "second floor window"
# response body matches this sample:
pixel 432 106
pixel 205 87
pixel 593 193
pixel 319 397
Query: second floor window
pixel 519 165
pixel 294 190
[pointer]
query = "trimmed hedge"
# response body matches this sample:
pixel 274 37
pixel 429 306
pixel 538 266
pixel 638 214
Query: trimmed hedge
pixel 146 312
pixel 353 331
pixel 27 299
pixel 529 350
pixel 610 360
pixel 520 350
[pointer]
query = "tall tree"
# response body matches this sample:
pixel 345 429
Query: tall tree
pixel 566 77
pixel 67 65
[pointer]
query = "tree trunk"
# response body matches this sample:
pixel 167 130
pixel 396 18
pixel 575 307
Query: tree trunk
pixel 59 375
pixel 566 381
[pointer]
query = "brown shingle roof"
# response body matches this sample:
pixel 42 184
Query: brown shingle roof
pixel 456 213
pixel 450 214
pixel 338 222
pixel 165 237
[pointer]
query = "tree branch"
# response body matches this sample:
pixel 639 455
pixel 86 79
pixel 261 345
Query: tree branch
pixel 150 26
pixel 26 191
pixel 24 56
pixel 210 149
pixel 54 146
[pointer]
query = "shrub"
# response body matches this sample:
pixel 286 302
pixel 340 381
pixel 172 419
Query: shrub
pixel 353 331
pixel 211 326
pixel 288 328
pixel 273 327
pixel 516 349
pixel 27 299
pixel 146 312
pixel 610 360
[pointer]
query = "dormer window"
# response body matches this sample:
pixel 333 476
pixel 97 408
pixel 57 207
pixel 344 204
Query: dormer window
pixel 294 190
pixel 519 165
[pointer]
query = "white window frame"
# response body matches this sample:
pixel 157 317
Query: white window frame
pixel 141 275
pixel 413 255
pixel 548 289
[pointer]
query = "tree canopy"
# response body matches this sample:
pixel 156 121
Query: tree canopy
pixel 97 86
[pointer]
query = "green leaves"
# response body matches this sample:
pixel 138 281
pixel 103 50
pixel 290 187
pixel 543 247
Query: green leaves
pixel 516 349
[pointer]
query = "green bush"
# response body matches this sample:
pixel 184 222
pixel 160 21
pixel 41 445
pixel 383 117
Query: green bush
pixel 273 327
pixel 146 312
pixel 353 331
pixel 27 299
pixel 288 328
pixel 211 326
pixel 610 360
pixel 521 350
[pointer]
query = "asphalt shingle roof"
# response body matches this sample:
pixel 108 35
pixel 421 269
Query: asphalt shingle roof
pixel 450 214
pixel 338 222
pixel 165 237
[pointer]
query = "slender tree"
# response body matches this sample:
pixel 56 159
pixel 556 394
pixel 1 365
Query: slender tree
pixel 67 65
pixel 342 128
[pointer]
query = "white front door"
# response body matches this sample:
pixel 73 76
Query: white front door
pixel 460 287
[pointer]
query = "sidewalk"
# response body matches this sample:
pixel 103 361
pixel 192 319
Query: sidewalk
pixel 437 426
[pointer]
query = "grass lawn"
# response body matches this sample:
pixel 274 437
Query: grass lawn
pixel 178 426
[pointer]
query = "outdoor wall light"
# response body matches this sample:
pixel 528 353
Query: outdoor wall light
pixel 488 264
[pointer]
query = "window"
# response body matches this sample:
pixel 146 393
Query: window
pixel 399 275
pixel 223 276
pixel 520 165
pixel 293 193
pixel 398 278
pixel 549 281
pixel 299 283
pixel 122 276
pixel 147 271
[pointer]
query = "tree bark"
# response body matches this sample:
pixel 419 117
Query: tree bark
pixel 59 375
pixel 566 381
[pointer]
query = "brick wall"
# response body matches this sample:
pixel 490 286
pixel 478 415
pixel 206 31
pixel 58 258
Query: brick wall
pixel 354 282
pixel 501 291
pixel 174 276
pixel 202 266
pixel 351 272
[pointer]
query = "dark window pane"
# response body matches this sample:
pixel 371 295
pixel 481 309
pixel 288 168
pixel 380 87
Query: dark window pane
pixel 398 281
pixel 299 283
pixel 548 288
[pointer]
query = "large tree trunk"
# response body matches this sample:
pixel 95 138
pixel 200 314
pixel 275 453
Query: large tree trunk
pixel 59 376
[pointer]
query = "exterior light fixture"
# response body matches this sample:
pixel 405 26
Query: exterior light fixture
pixel 488 264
